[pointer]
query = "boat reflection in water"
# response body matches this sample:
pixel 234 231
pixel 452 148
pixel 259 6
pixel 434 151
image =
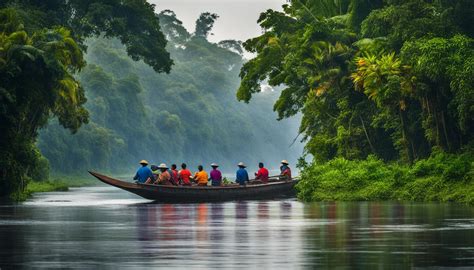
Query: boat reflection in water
pixel 271 234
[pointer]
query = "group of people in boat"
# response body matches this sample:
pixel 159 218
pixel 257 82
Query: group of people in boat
pixel 162 175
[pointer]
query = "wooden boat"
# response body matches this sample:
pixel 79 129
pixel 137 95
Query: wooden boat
pixel 272 190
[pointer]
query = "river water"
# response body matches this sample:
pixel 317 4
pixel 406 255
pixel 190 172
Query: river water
pixel 102 227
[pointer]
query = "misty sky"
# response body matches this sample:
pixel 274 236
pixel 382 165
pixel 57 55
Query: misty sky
pixel 238 18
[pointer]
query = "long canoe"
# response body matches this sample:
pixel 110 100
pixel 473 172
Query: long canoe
pixel 161 193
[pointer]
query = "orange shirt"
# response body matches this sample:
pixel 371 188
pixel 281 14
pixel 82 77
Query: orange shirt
pixel 164 176
pixel 201 177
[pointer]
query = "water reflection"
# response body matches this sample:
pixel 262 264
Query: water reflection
pixel 374 235
pixel 262 210
pixel 247 234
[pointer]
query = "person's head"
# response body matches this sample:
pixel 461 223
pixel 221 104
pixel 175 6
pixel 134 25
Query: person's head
pixel 154 167
pixel 241 165
pixel 143 162
pixel 183 166
pixel 200 168
pixel 260 164
pixel 214 166
pixel 284 162
pixel 173 166
pixel 163 167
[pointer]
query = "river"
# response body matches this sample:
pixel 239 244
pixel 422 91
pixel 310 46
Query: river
pixel 102 227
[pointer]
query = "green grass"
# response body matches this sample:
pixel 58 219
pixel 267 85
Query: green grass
pixel 46 186
pixel 55 183
pixel 76 180
pixel 441 177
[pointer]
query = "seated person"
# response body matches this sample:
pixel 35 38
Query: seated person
pixel 174 175
pixel 262 173
pixel 216 176
pixel 144 173
pixel 155 171
pixel 285 171
pixel 242 176
pixel 201 177
pixel 185 175
pixel 165 177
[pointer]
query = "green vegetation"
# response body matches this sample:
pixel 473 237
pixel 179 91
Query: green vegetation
pixel 189 115
pixel 132 112
pixel 441 177
pixel 46 186
pixel 55 183
pixel 385 89
pixel 41 52
pixel 385 80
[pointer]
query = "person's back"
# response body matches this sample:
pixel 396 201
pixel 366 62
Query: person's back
pixel 165 176
pixel 174 175
pixel 285 171
pixel 155 171
pixel 185 175
pixel 216 175
pixel 143 173
pixel 201 177
pixel 241 175
pixel 262 173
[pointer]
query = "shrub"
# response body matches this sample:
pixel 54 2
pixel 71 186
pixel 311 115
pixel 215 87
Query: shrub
pixel 441 177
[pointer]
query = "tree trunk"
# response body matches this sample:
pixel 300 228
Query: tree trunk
pixel 443 121
pixel 406 141
pixel 367 135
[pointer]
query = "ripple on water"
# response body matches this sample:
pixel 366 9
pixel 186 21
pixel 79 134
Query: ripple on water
pixel 109 228
pixel 414 228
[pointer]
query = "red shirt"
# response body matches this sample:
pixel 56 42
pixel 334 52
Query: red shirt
pixel 287 172
pixel 174 177
pixel 262 174
pixel 185 175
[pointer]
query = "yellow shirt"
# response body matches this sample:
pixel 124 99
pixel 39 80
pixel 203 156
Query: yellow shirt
pixel 201 177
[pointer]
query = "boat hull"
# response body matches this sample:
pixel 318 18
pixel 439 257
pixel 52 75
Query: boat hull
pixel 161 193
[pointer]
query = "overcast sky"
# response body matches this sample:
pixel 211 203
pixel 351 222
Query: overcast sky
pixel 237 18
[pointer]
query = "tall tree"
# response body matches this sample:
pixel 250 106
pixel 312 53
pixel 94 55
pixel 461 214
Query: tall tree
pixel 42 44
pixel 204 24
pixel 408 90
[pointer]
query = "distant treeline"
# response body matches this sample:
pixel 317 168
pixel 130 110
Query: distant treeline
pixel 117 109
pixel 190 115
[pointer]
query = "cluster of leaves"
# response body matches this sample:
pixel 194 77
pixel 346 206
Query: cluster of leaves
pixel 189 115
pixel 41 52
pixel 441 177
pixel 387 78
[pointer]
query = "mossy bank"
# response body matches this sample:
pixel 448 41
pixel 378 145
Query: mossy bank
pixel 441 177
pixel 53 183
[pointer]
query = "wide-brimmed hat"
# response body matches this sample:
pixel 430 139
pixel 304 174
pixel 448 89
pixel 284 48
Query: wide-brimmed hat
pixel 162 166
pixel 285 162
pixel 214 165
pixel 143 162
pixel 241 164
pixel 154 167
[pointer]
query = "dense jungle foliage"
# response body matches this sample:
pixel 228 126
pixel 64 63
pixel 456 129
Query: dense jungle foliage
pixel 441 177
pixel 386 79
pixel 132 112
pixel 41 52
pixel 190 115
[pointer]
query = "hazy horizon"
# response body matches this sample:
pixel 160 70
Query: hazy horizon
pixel 237 19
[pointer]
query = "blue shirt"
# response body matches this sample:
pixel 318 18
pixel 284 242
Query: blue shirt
pixel 242 176
pixel 143 174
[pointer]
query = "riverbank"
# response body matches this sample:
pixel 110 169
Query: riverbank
pixel 54 183
pixel 441 177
